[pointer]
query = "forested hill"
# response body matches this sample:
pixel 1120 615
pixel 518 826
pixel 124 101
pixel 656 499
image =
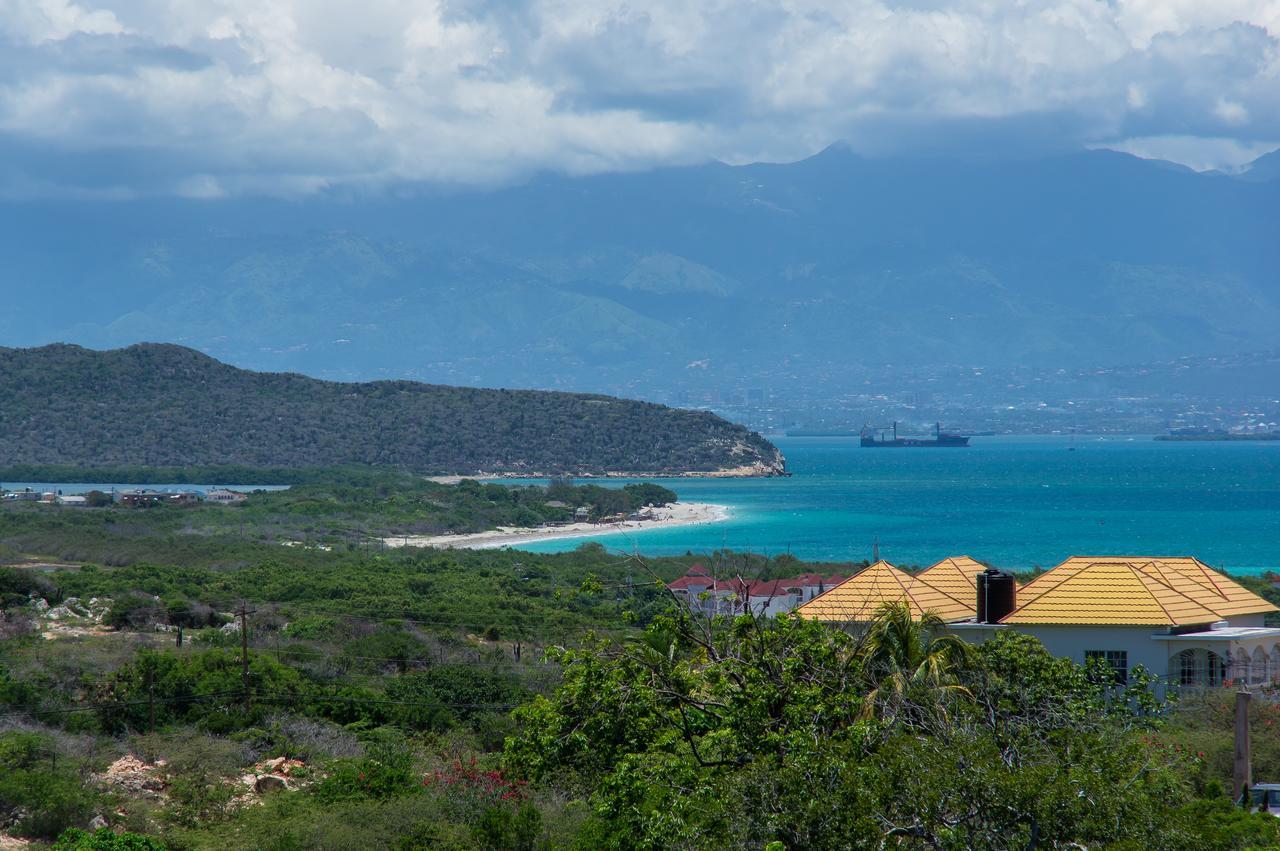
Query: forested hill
pixel 165 405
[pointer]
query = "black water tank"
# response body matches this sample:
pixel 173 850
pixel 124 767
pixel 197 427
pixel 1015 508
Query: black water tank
pixel 997 595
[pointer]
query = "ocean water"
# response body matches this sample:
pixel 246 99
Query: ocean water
pixel 1015 502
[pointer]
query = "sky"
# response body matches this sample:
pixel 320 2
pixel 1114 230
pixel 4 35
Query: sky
pixel 211 98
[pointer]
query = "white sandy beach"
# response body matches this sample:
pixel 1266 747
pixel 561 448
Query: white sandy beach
pixel 676 514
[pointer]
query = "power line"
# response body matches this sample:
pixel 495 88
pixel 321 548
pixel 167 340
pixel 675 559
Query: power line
pixel 269 697
pixel 114 704
pixel 477 623
pixel 305 651
pixel 435 704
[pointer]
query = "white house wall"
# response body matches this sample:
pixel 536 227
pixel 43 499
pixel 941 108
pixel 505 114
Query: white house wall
pixel 1071 642
pixel 1154 654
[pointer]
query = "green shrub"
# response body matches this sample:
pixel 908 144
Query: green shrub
pixel 197 797
pixel 439 697
pixel 384 772
pixel 205 686
pixel 104 839
pixel 15 586
pixel 134 611
pixel 312 628
pixel 501 828
pixel 35 783
pixel 16 692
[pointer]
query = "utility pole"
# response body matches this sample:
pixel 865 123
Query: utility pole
pixel 244 654
pixel 151 699
pixel 1243 773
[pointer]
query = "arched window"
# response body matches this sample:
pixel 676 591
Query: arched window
pixel 1258 667
pixel 1189 668
pixel 1216 668
pixel 1199 667
pixel 1239 666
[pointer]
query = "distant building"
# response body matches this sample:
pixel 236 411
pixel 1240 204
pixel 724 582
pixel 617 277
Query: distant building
pixel 704 593
pixel 140 498
pixel 222 496
pixel 735 596
pixel 73 500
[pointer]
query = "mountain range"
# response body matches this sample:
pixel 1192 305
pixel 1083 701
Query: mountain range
pixel 697 276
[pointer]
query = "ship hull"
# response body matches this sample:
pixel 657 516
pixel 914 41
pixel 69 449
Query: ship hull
pixel 945 441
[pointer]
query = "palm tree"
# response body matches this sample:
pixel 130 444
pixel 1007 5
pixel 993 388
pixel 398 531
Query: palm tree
pixel 910 666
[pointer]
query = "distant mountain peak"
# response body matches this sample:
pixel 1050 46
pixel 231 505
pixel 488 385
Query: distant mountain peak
pixel 1263 169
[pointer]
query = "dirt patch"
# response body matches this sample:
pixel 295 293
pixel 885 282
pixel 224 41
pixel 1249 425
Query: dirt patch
pixel 42 565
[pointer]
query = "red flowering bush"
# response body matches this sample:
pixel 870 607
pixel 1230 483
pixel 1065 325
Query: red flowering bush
pixel 495 805
pixel 476 785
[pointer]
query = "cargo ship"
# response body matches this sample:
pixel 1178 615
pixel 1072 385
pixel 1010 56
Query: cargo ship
pixel 878 437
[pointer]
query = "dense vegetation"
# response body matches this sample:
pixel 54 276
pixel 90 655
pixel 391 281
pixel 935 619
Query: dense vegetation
pixel 512 700
pixel 163 405
pixel 741 734
pixel 798 734
pixel 189 475
pixel 352 509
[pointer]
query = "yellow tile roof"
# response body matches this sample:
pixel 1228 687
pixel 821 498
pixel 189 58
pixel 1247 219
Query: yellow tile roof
pixel 857 599
pixel 1215 591
pixel 1133 590
pixel 956 576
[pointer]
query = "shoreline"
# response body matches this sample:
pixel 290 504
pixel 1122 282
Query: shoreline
pixel 674 515
pixel 748 472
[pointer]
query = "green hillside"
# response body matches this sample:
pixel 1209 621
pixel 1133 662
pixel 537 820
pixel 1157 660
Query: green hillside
pixel 163 405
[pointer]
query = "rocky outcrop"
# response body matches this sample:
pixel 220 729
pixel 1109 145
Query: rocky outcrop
pixel 276 775
pixel 136 777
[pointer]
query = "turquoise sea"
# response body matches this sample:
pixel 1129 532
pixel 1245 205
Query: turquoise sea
pixel 1016 502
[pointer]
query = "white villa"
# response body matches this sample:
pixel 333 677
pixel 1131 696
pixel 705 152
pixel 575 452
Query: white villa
pixel 1178 618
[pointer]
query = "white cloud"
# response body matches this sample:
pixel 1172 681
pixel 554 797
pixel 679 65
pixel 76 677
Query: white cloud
pixel 208 97
pixel 1231 112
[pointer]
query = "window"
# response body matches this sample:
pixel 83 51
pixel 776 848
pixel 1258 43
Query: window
pixel 1118 660
pixel 1196 667
pixel 1190 668
pixel 1258 667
